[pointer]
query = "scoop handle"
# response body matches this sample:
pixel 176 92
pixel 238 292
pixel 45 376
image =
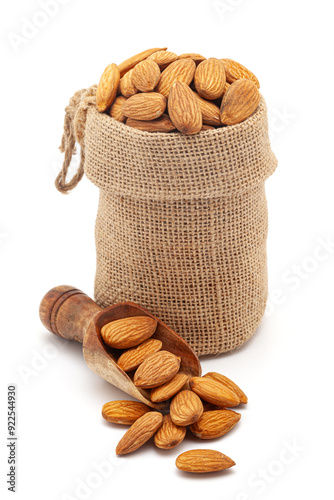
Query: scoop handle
pixel 67 312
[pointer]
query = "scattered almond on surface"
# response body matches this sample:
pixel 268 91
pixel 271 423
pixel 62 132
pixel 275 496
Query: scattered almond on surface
pixel 213 392
pixel 186 408
pixel 229 384
pixel 201 461
pixel 140 432
pixel 124 412
pixel 169 434
pixel 214 424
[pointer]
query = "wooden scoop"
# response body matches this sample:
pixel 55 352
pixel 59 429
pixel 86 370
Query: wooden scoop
pixel 71 314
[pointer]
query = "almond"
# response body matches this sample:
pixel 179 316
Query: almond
pixel 107 87
pixel 227 86
pixel 169 389
pixel 128 332
pixel 210 78
pixel 130 63
pixel 184 109
pixel 213 392
pixel 116 109
pixel 145 106
pixel 210 112
pixel 131 359
pixel 235 71
pixel 214 424
pixel 126 87
pixel 182 71
pixel 207 127
pixel 156 370
pixel 162 124
pixel 197 58
pixel 145 75
pixel 140 432
pixel 239 102
pixel 169 435
pixel 229 384
pixel 124 412
pixel 199 461
pixel 163 58
pixel 186 408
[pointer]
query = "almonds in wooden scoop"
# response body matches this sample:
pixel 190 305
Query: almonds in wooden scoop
pixel 128 332
pixel 156 370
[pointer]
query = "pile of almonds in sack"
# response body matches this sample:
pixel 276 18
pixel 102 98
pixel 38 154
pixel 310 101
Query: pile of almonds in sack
pixel 200 404
pixel 159 91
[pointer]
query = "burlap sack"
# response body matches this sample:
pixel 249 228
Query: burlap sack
pixel 182 221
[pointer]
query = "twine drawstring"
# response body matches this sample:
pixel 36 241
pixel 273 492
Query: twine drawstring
pixel 74 131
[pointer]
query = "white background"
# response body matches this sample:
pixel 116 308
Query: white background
pixel 47 239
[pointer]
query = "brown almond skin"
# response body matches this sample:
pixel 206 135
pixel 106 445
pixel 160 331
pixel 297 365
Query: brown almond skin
pixel 182 71
pixel 201 461
pixel 207 127
pixel 163 58
pixel 169 435
pixel 239 102
pixel 126 87
pixel 161 124
pixel 197 58
pixel 124 412
pixel 131 359
pixel 227 86
pixel 213 392
pixel 116 109
pixel 128 332
pixel 130 63
pixel 156 370
pixel 107 87
pixel 210 79
pixel 235 71
pixel 169 389
pixel 145 106
pixel 146 75
pixel 210 112
pixel 140 432
pixel 186 408
pixel 214 424
pixel 184 109
pixel 229 384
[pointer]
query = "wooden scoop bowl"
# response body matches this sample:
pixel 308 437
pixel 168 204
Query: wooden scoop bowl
pixel 71 314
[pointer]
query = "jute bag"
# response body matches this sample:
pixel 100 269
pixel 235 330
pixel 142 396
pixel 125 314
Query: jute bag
pixel 182 220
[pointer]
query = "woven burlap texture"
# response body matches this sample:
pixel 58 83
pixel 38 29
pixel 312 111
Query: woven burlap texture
pixel 182 224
